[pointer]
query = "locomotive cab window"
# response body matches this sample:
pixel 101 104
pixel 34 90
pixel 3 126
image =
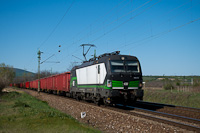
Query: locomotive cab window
pixel 117 66
pixel 132 66
pixel 124 66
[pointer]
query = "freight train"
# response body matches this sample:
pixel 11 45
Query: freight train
pixel 108 79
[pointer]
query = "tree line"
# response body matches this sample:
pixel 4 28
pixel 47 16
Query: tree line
pixel 7 76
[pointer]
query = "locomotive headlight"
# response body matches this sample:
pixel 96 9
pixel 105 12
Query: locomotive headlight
pixel 109 83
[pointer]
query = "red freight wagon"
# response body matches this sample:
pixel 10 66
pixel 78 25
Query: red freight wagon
pixel 35 84
pixel 27 85
pixel 55 82
pixel 31 84
pixel 21 85
pixel 17 85
pixel 43 83
pixel 62 82
pixel 49 83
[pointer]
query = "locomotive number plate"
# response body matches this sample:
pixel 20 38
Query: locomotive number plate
pixel 125 83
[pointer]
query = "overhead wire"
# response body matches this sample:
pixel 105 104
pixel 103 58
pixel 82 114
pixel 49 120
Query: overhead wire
pixel 70 45
pixel 101 28
pixel 129 13
pixel 129 18
pixel 165 32
pixel 151 37
pixel 123 46
pixel 122 17
pixel 47 58
pixel 97 20
pixel 125 21
pixel 57 25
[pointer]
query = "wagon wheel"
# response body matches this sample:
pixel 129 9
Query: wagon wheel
pixel 141 98
pixel 105 101
pixel 97 101
pixel 73 95
pixel 49 91
pixel 77 97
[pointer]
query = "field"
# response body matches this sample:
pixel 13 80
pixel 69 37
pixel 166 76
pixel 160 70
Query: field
pixel 188 99
pixel 176 81
pixel 20 112
pixel 176 90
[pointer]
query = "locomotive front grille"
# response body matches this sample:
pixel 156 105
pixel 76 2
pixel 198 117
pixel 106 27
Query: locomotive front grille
pixel 125 85
pixel 122 88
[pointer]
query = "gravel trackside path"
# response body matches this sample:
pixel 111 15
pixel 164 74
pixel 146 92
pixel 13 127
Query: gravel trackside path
pixel 101 118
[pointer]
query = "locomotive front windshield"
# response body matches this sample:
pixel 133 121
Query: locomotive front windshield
pixel 124 66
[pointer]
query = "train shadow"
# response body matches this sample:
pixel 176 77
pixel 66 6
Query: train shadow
pixel 143 105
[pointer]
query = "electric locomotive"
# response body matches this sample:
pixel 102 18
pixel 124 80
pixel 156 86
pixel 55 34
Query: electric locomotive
pixel 110 78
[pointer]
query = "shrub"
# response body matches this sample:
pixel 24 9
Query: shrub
pixel 20 104
pixel 6 75
pixel 168 86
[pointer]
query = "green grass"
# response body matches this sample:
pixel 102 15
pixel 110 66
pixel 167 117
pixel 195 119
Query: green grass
pixel 20 112
pixel 188 99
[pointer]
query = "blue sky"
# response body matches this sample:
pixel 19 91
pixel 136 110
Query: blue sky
pixel 163 34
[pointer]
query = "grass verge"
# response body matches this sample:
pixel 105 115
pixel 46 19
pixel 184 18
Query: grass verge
pixel 20 112
pixel 188 99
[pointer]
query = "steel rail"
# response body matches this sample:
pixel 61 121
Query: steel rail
pixel 169 105
pixel 170 109
pixel 162 120
pixel 183 118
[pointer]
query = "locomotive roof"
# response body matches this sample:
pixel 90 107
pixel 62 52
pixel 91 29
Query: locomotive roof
pixel 104 59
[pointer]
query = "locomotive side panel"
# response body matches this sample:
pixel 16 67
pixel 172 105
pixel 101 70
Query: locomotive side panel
pixel 91 75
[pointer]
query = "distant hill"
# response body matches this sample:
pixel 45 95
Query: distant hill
pixel 20 72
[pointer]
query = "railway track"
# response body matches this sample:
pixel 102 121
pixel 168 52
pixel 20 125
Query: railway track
pixel 182 122
pixel 172 109
pixel 190 124
pixel 156 117
pixel 168 105
pixel 183 117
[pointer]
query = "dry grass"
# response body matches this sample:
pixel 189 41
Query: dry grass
pixel 181 98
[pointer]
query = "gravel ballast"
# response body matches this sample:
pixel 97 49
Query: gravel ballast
pixel 101 118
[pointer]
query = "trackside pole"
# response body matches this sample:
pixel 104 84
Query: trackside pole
pixel 39 58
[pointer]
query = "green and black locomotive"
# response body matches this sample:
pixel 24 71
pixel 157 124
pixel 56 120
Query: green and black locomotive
pixel 110 78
